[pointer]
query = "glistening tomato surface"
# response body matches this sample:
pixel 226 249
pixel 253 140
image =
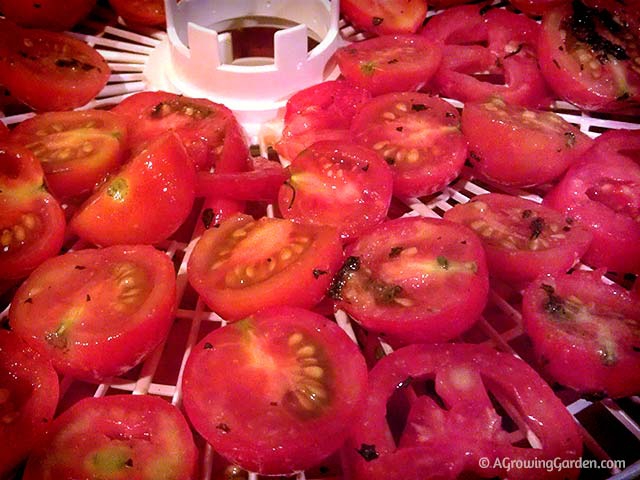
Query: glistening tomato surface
pixel 522 239
pixel 28 399
pixel 399 278
pixel 245 264
pixel 586 334
pixel 452 422
pixel 418 135
pixel 512 145
pixel 47 14
pixel 285 386
pixel 97 313
pixel 132 437
pixel 76 149
pixel 384 16
pixel 145 202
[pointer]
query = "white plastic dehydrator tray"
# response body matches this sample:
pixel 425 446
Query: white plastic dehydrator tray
pixel 610 428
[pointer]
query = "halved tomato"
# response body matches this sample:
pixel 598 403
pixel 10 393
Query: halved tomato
pixel 47 14
pixel 245 264
pixel 399 277
pixel 418 135
pixel 142 12
pixel 28 398
pixel 453 423
pixel 285 386
pixel 137 437
pixel 76 149
pixel 145 202
pixel 522 239
pixel 97 313
pixel 586 334
pixel 50 70
pixel 385 16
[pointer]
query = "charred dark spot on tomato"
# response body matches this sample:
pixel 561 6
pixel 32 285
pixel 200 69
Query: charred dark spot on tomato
pixel 368 68
pixel 288 184
pixel 208 346
pixel 395 252
pixel 87 298
pixel 58 338
pixel 570 139
pixel 553 304
pixel 207 218
pixel 29 300
pixel 368 452
pixel 317 273
pixel 365 168
pixel 623 97
pixel 443 262
pixel 383 293
pixel 351 264
pixel 26 56
pixel 223 427
pixel 390 160
pixel 118 189
pixel 377 21
pixel 393 61
pixel 419 107
pixel 74 64
pixel 399 129
pixel 404 383
pixel 129 463
pixel 79 267
pixel 536 227
pixel 514 52
pixel 527 213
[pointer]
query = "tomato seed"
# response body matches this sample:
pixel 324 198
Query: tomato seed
pixel 294 339
pixel 313 371
pixel 306 351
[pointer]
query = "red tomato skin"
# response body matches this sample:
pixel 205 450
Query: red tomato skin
pixel 469 418
pixel 141 12
pixel 430 127
pixel 391 63
pixel 47 14
pixel 536 7
pixel 385 17
pixel 145 202
pixel 33 385
pixel 517 265
pixel 152 431
pixel 95 353
pixel 4 131
pixel 574 358
pixel 285 443
pixel 523 147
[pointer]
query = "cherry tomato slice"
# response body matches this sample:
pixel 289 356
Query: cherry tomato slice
pixel 383 16
pixel 283 380
pixel 391 63
pixel 399 277
pixel 344 185
pixel 522 239
pixel 244 265
pixel 97 313
pixel 453 428
pixel 137 437
pixel 76 149
pixel 142 12
pixel 585 333
pixel 50 70
pixel 47 14
pixel 28 398
pixel 418 135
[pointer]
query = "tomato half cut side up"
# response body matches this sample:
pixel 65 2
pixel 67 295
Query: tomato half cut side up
pixel 245 264
pixel 28 398
pixel 449 390
pixel 399 276
pixel 515 146
pixel 589 55
pixel 286 385
pixel 97 313
pixel 340 184
pixel 585 333
pixel 50 70
pixel 418 135
pixel 391 63
pixel 137 437
pixel 32 224
pixel 384 17
pixel 76 149
pixel 522 239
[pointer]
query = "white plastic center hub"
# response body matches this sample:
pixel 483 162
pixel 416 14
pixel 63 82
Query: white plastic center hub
pixel 197 57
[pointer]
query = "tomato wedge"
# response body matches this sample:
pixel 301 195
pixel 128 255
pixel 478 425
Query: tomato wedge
pixel 384 16
pixel 245 264
pixel 137 437
pixel 285 386
pixel 97 313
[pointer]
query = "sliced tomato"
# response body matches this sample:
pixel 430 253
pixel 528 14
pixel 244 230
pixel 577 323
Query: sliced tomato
pixel 602 191
pixel 145 202
pixel 32 223
pixel 588 55
pixel 286 384
pixel 391 63
pixel 418 135
pixel 516 146
pixel 522 239
pixel 209 131
pixel 137 437
pixel 384 16
pixel 586 334
pixel 47 14
pixel 453 428
pixel 76 149
pixel 244 265
pixel 28 397
pixel 50 70
pixel 214 211
pixel 343 185
pixel 142 12
pixel 399 277
pixel 618 142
